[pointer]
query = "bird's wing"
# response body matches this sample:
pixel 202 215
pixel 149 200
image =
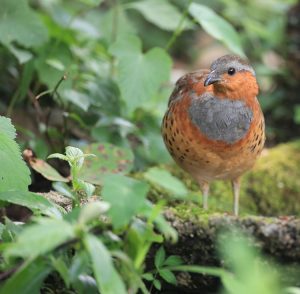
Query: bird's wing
pixel 185 83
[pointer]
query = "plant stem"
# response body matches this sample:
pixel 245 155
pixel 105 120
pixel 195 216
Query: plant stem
pixel 114 33
pixel 179 28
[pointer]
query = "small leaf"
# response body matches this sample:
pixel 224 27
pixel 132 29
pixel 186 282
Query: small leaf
pixel 32 201
pixel 40 238
pixel 165 180
pixel 157 284
pixel 87 188
pixel 92 210
pixel 126 196
pixel 217 26
pixel 77 98
pixel 173 260
pixel 59 156
pixel 108 279
pixel 63 189
pixel 61 267
pixel 159 257
pixel 168 276
pixel 55 63
pixel 148 276
pixel 46 170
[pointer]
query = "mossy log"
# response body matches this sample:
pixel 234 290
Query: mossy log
pixel 270 210
pixel 277 238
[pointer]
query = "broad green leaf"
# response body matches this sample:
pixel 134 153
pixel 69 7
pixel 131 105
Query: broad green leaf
pixel 161 13
pixel 46 170
pixel 48 74
pixel 14 174
pixel 217 27
pixel 168 276
pixel 139 75
pixel 109 159
pixel 7 128
pixel 19 23
pixel 108 279
pixel 31 201
pixel 126 196
pixel 41 238
pixel 165 180
pixel 159 257
pixel 28 278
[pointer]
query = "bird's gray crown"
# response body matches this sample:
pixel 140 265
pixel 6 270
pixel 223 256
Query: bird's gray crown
pixel 222 64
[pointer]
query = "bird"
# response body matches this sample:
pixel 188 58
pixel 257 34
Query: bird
pixel 214 127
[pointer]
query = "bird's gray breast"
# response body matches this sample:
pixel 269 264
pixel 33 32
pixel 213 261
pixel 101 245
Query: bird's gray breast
pixel 220 119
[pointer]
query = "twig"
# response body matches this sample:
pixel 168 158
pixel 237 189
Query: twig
pixel 179 28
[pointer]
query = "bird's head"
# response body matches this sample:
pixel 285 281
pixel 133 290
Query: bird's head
pixel 231 73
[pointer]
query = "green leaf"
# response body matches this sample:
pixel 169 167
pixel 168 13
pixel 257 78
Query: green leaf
pixel 148 277
pixel 55 63
pixel 14 174
pixel 108 279
pixel 109 159
pixel 173 260
pixel 168 276
pixel 77 98
pixel 139 75
pixel 28 279
pixel 165 180
pixel 59 156
pixel 157 284
pixel 41 238
pixel 61 267
pixel 32 201
pixel 19 23
pixel 7 128
pixel 217 27
pixel 126 196
pixel 92 210
pixel 161 13
pixel 22 55
pixel 159 257
pixel 46 170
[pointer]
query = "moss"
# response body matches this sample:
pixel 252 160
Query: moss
pixel 272 188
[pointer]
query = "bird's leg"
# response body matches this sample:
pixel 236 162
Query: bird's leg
pixel 236 193
pixel 205 189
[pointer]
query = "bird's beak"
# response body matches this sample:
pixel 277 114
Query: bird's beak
pixel 212 77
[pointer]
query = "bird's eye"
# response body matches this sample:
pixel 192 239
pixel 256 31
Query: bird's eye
pixel 231 71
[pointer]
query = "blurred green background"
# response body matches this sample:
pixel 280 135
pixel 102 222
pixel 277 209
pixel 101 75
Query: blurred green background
pixel 103 70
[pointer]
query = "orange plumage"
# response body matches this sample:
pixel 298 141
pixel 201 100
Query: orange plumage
pixel 214 126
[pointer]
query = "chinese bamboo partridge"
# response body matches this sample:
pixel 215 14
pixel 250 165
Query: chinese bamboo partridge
pixel 214 127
